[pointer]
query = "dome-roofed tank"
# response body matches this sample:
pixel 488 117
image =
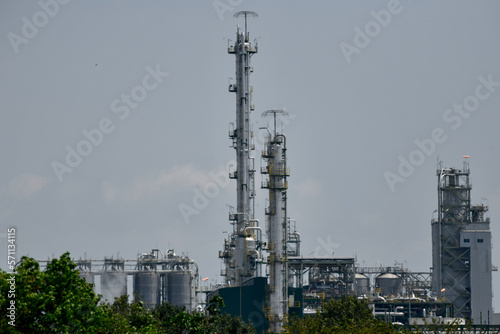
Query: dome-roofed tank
pixel 389 284
pixel 362 284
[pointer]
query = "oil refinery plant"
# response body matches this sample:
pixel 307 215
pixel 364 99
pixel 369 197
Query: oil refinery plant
pixel 156 278
pixel 266 279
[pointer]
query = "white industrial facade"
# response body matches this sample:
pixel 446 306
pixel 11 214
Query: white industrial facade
pixel 477 237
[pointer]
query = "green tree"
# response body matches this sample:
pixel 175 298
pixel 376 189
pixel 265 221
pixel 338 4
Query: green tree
pixel 345 315
pixel 54 300
pixel 133 317
pixel 177 320
pixel 57 300
pixel 224 323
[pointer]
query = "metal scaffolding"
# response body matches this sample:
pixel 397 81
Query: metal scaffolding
pixel 461 241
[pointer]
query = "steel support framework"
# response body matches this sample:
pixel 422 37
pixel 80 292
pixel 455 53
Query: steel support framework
pixel 451 262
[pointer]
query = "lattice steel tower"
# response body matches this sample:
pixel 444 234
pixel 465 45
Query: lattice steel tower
pixel 241 253
pixel 461 247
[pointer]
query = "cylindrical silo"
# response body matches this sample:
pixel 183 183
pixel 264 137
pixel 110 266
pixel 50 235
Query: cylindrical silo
pixel 113 285
pixel 389 284
pixel 362 285
pixel 147 288
pixel 179 288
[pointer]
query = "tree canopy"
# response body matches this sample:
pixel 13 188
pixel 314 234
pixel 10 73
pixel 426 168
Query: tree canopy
pixel 57 300
pixel 342 316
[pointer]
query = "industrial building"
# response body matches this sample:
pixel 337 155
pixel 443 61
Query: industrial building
pixel 265 282
pixel 155 278
pixel 461 247
pixel 265 276
pixel 281 282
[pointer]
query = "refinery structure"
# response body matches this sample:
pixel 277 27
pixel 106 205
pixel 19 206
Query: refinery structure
pixel 266 279
pixel 461 246
pixel 155 277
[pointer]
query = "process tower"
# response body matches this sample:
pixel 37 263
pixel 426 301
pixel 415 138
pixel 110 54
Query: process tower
pixel 241 254
pixel 275 179
pixel 461 247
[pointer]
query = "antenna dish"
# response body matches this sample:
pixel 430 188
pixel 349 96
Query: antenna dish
pixel 246 13
pixel 274 112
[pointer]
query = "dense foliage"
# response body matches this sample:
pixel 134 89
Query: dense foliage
pixel 346 315
pixel 56 300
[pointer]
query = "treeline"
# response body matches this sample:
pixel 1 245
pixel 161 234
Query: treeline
pixel 57 300
pixel 349 315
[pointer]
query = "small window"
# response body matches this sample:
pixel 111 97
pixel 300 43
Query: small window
pixel 467 240
pixel 480 241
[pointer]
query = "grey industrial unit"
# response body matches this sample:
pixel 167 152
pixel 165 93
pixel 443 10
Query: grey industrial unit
pixel 179 288
pixel 147 287
pixel 461 247
pixel 393 281
pixel 362 284
pixel 113 279
pixel 160 278
pixel 327 277
pixel 157 278
pixel 147 281
pixel 389 284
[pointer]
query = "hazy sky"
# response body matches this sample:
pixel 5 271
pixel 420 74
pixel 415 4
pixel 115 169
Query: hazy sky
pixel 136 91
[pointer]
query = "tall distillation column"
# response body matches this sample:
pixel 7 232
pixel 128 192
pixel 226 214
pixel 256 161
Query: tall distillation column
pixel 276 172
pixel 240 254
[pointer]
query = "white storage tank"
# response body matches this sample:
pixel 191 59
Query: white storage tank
pixel 389 284
pixel 362 285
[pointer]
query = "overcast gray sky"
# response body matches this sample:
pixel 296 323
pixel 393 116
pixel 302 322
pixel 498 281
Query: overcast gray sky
pixel 364 83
